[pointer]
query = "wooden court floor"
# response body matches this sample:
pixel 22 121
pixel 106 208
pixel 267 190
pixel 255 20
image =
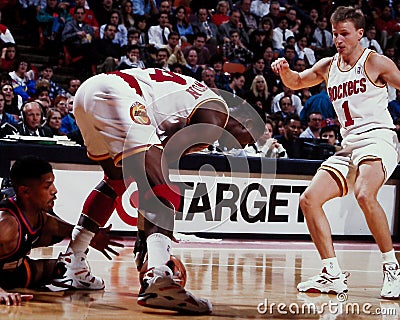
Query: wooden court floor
pixel 243 280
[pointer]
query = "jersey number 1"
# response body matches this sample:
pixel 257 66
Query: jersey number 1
pixel 349 121
pixel 162 76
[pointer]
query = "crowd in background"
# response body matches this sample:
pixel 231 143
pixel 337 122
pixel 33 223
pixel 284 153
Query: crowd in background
pixel 228 45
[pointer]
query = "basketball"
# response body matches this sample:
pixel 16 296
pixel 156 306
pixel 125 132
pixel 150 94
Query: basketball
pixel 177 267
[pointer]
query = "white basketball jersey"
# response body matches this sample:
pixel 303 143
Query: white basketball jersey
pixel 360 104
pixel 170 98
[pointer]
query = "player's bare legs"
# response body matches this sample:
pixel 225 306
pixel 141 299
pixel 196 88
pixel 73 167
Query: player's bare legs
pixel 323 187
pixel 370 177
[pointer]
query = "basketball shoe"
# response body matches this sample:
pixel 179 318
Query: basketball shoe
pixel 325 283
pixel 73 272
pixel 159 290
pixel 391 281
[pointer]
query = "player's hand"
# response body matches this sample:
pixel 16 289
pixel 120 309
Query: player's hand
pixel 102 242
pixel 13 298
pixel 279 65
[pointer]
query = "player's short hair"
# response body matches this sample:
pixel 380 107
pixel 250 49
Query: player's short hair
pixel 343 13
pixel 28 168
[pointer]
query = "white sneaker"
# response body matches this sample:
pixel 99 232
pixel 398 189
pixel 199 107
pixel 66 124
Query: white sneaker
pixel 391 281
pixel 325 283
pixel 160 291
pixel 73 272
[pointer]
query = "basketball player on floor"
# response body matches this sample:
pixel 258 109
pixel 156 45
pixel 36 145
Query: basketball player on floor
pixel 356 80
pixel 126 119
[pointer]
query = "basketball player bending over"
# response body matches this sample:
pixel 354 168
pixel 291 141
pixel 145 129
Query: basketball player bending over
pixel 356 80
pixel 126 119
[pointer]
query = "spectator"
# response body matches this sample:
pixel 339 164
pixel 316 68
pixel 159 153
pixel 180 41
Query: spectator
pixel 296 102
pixel 192 68
pixel 158 35
pixel 174 49
pixel 368 41
pixel 53 121
pixel 32 121
pixel 208 78
pixel 23 79
pixel 303 93
pixel 272 79
pixel 73 85
pixel 258 42
pixel 233 24
pixel 52 19
pixel 203 54
pixel 9 54
pixel 77 39
pixel 13 102
pixel 144 8
pixel 260 8
pixel 221 13
pixel 42 96
pixel 102 10
pixel 257 68
pixel 210 29
pixel 127 17
pixel 289 52
pixel 288 140
pixel 106 52
pixel 162 57
pixel 68 123
pixel 266 145
pixel 47 74
pixel 177 68
pixel 280 34
pixel 121 35
pixel 141 26
pixel 221 79
pixel 236 85
pixel 248 19
pixel 6 118
pixel 274 12
pixel 382 25
pixel 131 59
pixel 267 25
pixel 293 22
pixel 235 51
pixel 313 129
pixel 322 39
pixel 330 133
pixel 303 51
pixel 182 25
pixel 286 107
pixel 259 93
pixel 89 19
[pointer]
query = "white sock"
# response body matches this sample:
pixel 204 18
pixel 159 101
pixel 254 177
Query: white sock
pixel 80 240
pixel 158 249
pixel 332 266
pixel 389 257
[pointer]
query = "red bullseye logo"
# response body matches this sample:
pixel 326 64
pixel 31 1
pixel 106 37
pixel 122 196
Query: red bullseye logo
pixel 126 208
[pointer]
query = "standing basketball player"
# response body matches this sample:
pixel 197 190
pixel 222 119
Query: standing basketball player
pixel 132 123
pixel 356 81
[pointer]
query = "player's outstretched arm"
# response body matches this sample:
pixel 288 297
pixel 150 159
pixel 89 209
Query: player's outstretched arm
pixel 308 78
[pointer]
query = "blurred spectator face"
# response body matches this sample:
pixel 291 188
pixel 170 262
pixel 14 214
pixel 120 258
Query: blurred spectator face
pixel 51 3
pixel 239 82
pixel 73 86
pixel 208 76
pixel 142 25
pixel 290 54
pixel 302 43
pixel 387 12
pixel 177 69
pixel 202 14
pixel 293 129
pixel 192 58
pixel 180 14
pixel 259 65
pixel 315 121
pixel 70 104
pixel 165 6
pixel 114 19
pixel 313 14
pixel 281 127
pixel 268 54
pixel 128 7
pixel 62 106
pixel 371 33
pixel 283 24
pixel 33 115
pixel 54 119
pixel 246 4
pixel 163 20
pixel 110 32
pixel 8 92
pixel 2 103
pixel 79 15
pixel 260 84
pixel 323 23
pixel 235 18
pixel 133 38
pixel 174 40
pixel 199 42
pixel 223 7
pixel 162 57
pixel 108 3
pixel 330 136
pixel 217 66
pixel 133 55
pixel 266 25
pixel 286 105
pixel 47 73
pixel 300 65
pixel 274 9
pixel 23 67
pixel 291 15
pixel 10 53
pixel 235 37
